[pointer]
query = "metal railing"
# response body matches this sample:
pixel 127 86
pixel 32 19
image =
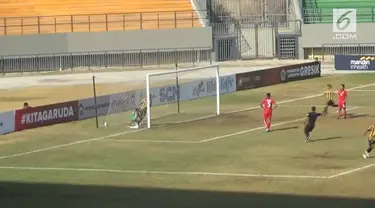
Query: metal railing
pixel 292 26
pixel 251 10
pixel 324 15
pixel 107 59
pixel 330 50
pixel 258 39
pixel 100 22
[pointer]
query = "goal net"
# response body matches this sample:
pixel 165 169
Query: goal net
pixel 177 96
pixel 116 97
pixel 183 95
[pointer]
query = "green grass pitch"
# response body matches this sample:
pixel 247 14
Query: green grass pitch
pixel 222 161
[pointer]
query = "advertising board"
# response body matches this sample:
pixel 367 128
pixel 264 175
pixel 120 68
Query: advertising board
pixel 7 122
pixel 250 80
pixel 277 75
pixel 271 77
pixel 354 62
pixel 300 71
pixel 40 116
pixel 86 107
pixel 192 90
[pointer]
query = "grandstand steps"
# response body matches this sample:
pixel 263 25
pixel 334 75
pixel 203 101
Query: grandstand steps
pixel 90 15
pixel 251 10
pixel 74 7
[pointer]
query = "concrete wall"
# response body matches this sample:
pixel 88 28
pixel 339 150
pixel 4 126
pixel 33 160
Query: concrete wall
pixel 33 44
pixel 314 35
pixel 106 41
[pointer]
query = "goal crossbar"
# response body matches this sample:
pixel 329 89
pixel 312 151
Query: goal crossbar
pixel 177 71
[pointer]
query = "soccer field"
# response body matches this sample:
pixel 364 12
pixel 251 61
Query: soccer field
pixel 223 161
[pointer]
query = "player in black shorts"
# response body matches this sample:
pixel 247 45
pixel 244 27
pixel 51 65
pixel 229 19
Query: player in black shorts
pixel 310 122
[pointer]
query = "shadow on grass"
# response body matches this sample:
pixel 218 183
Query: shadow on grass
pixel 326 139
pixel 286 128
pixel 14 194
pixel 352 115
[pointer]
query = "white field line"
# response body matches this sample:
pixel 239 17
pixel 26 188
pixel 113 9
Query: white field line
pixel 279 103
pixel 319 106
pixel 301 98
pixel 214 138
pixel 162 172
pixel 301 106
pixel 67 144
pixel 146 172
pixel 351 171
pixel 363 90
pixel 258 128
pixel 150 141
pixel 127 132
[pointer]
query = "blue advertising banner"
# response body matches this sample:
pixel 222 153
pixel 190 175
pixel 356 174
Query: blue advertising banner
pixel 354 62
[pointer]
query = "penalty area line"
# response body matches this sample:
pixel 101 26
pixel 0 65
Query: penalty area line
pixel 146 172
pixel 258 128
pixel 216 174
pixel 128 132
pixel 363 90
pixel 279 104
pixel 68 144
pixel 300 98
pixel 149 141
pixel 351 171
pixel 300 106
pixel 214 138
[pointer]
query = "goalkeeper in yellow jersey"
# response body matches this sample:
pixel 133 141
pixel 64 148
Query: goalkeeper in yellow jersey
pixel 139 114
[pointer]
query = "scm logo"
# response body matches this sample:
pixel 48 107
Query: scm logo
pixel 170 93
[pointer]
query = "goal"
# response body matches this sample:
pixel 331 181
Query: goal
pixel 182 95
pixel 174 96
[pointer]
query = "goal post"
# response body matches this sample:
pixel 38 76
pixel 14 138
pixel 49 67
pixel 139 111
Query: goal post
pixel 185 85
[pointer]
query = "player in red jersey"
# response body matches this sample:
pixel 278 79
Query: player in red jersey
pixel 268 104
pixel 342 97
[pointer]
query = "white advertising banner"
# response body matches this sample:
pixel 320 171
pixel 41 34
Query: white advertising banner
pixel 86 107
pixel 127 101
pixel 192 90
pixel 7 122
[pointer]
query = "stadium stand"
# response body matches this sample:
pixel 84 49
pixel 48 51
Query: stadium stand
pixel 320 11
pixel 250 10
pixel 55 16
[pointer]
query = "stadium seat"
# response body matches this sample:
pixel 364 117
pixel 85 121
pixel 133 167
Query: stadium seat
pixel 53 16
pixel 320 11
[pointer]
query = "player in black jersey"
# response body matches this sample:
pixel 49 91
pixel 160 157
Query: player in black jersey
pixel 371 141
pixel 310 122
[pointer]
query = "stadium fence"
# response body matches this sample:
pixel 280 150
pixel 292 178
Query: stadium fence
pixel 254 40
pixel 104 59
pixel 247 10
pixel 330 50
pixel 100 22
